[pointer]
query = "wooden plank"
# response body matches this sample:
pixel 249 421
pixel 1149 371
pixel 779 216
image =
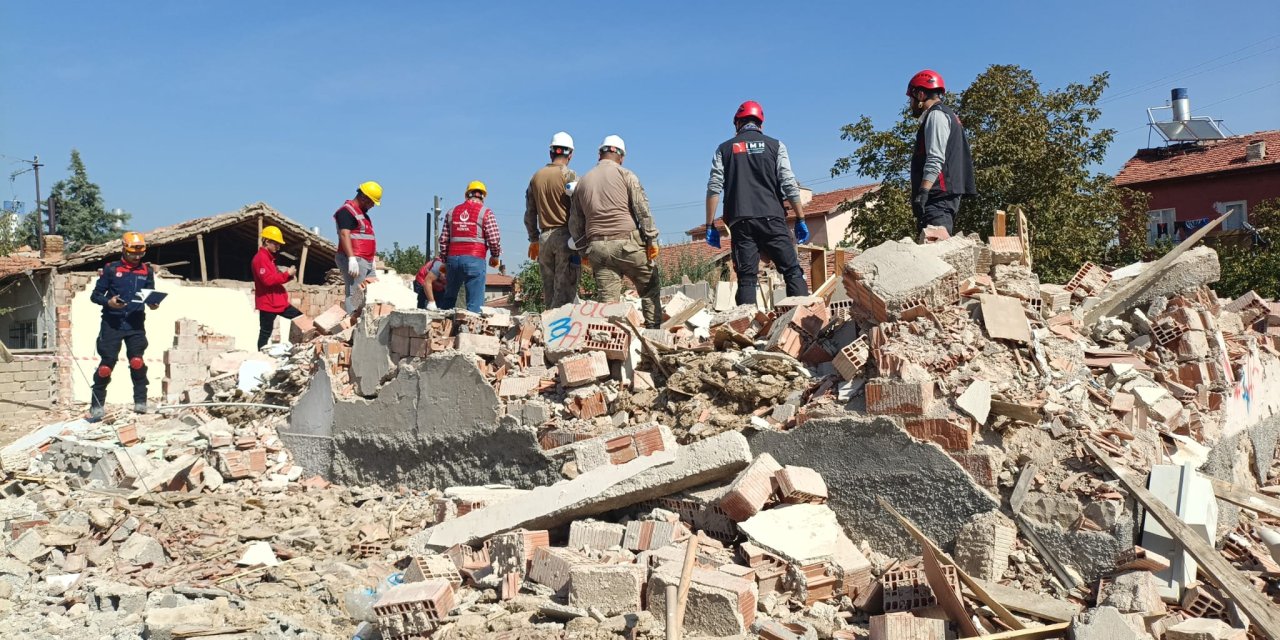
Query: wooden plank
pixel 1251 500
pixel 817 267
pixel 684 315
pixel 1125 295
pixel 1260 610
pixel 1022 487
pixel 951 601
pixel 1005 616
pixel 1066 575
pixel 1032 604
pixel 302 263
pixel 1005 318
pixel 998 225
pixel 1059 630
pixel 1020 412
pixel 1024 235
pixel 204 269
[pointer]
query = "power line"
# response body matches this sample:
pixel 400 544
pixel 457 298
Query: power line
pixel 1211 104
pixel 1180 74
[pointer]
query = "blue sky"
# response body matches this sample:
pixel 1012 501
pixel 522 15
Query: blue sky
pixel 186 109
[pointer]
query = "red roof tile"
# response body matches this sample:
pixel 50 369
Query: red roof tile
pixel 673 256
pixel 498 280
pixel 15 264
pixel 822 204
pixel 1167 163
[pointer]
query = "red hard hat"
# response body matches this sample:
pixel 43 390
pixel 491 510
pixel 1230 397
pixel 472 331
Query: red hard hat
pixel 928 80
pixel 750 109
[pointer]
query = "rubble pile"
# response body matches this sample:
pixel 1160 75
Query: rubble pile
pixel 936 445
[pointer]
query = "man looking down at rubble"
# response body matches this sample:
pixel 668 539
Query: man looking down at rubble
pixel 754 173
pixel 941 165
pixel 470 231
pixel 609 222
pixel 356 243
pixel 429 283
pixel 119 289
pixel 269 296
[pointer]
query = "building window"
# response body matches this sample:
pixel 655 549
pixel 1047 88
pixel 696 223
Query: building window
pixel 22 335
pixel 1159 225
pixel 1237 214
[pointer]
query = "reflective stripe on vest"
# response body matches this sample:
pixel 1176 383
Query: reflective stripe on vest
pixel 363 242
pixel 466 238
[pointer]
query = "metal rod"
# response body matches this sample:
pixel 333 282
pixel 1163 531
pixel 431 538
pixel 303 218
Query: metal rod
pixel 223 404
pixel 672 631
pixel 35 164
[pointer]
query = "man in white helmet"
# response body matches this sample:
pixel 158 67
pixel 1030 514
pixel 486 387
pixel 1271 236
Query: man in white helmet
pixel 546 212
pixel 609 220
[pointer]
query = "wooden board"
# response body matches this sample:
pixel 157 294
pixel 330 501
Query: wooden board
pixel 1059 630
pixel 1032 604
pixel 1260 610
pixel 1251 500
pixel 951 601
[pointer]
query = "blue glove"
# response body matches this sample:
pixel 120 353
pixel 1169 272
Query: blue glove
pixel 713 236
pixel 574 258
pixel 802 232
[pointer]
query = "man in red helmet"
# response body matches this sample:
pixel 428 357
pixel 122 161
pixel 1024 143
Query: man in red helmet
pixel 754 172
pixel 941 165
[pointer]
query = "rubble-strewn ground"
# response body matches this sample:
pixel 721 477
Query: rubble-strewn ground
pixel 761 453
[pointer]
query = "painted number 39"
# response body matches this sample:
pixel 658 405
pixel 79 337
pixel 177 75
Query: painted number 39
pixel 559 329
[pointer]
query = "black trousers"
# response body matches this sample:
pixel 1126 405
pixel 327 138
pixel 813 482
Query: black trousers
pixel 769 236
pixel 940 211
pixel 267 322
pixel 109 341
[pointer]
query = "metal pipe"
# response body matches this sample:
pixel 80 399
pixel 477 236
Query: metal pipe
pixel 223 404
pixel 1181 105
pixel 672 631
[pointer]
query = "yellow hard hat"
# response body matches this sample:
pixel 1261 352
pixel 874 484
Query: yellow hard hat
pixel 134 242
pixel 476 185
pixel 273 234
pixel 373 190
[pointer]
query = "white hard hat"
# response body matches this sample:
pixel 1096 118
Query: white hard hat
pixel 562 139
pixel 615 142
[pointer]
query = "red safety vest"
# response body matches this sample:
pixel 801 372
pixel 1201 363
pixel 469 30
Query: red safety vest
pixel 466 233
pixel 362 241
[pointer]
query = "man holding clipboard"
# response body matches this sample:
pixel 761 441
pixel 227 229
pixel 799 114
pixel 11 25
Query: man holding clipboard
pixel 124 287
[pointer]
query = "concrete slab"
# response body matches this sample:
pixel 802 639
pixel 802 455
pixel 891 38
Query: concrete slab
pixel 803 534
pixel 370 354
pixel 976 401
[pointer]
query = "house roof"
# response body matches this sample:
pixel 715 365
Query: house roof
pixel 243 222
pixel 673 257
pixel 19 262
pixel 822 204
pixel 1180 161
pixel 498 280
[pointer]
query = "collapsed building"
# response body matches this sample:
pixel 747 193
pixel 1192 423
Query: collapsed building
pixel 935 444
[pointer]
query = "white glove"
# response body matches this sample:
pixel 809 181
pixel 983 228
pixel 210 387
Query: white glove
pixel 568 188
pixel 431 306
pixel 353 267
pixel 573 245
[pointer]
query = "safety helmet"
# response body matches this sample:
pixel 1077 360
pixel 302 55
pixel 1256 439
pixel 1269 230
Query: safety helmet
pixel 134 242
pixel 476 185
pixel 750 109
pixel 273 234
pixel 615 142
pixel 562 139
pixel 927 80
pixel 373 191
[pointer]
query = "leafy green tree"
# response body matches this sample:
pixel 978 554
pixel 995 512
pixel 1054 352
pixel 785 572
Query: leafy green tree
pixel 403 260
pixel 529 282
pixel 82 215
pixel 1252 262
pixel 8 232
pixel 1032 147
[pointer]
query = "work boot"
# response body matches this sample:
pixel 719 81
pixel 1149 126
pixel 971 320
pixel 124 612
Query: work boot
pixel 140 407
pixel 96 412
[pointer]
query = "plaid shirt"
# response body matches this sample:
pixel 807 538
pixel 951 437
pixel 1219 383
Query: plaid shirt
pixel 488 228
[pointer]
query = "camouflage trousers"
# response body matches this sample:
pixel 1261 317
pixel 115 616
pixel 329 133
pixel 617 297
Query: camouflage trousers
pixel 561 271
pixel 611 260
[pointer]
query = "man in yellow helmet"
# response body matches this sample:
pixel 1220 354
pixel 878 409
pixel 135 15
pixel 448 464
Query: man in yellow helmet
pixel 119 291
pixel 356 243
pixel 470 231
pixel 269 296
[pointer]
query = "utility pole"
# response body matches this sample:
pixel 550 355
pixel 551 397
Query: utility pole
pixel 431 249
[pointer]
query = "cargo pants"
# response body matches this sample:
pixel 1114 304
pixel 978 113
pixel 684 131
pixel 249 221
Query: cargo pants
pixel 613 259
pixel 560 274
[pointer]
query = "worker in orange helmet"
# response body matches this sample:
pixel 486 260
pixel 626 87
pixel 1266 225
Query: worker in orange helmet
pixel 119 290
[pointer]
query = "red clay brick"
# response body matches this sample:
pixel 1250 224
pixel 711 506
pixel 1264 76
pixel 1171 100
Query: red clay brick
pixel 953 434
pixel 896 397
pixel 581 369
pixel 751 490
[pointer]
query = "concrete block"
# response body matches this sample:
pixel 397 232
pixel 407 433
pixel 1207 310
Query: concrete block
pixel 551 567
pixel 751 490
pixel 801 485
pixel 1133 592
pixel 804 534
pixel 890 277
pixel 518 387
pixel 370 354
pixel 330 321
pixel 718 604
pixel 1106 623
pixel 984 544
pixel 1204 629
pixel 595 535
pixel 581 369
pixel 1191 496
pixel 142 550
pixel 479 344
pixel 611 589
pixel 902 625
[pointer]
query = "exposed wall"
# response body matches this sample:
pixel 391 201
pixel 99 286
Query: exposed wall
pixel 26 385
pixel 1193 197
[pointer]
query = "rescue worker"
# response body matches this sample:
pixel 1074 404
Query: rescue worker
pixel 470 231
pixel 941 165
pixel 269 296
pixel 609 220
pixel 754 173
pixel 429 283
pixel 356 243
pixel 119 291
pixel 546 211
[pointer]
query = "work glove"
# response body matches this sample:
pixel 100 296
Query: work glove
pixel 802 232
pixel 575 259
pixel 713 236
pixel 431 306
pixel 493 262
pixel 533 250
pixel 652 252
pixel 442 269
pixel 920 199
pixel 353 267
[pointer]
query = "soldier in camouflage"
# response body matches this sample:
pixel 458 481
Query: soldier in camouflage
pixel 546 211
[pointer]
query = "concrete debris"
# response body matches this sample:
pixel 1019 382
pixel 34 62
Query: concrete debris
pixel 457 475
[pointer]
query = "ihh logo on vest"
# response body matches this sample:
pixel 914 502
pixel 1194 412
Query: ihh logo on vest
pixel 750 147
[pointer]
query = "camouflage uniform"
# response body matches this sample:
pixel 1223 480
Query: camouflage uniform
pixel 610 213
pixel 546 208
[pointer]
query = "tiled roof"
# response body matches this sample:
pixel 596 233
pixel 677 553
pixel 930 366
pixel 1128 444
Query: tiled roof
pixel 15 264
pixel 1179 161
pixel 498 280
pixel 821 205
pixel 689 254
